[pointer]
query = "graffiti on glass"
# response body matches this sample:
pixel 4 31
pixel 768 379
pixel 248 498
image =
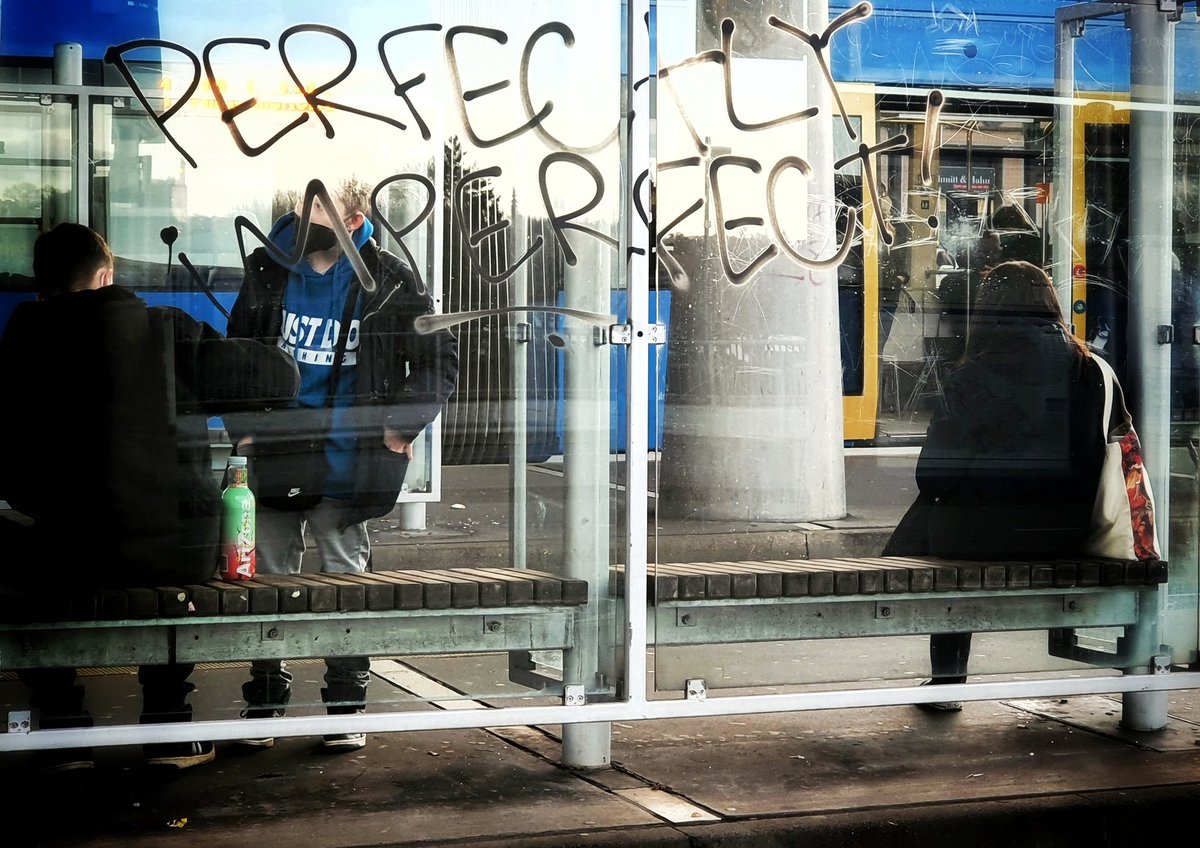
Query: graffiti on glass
pixel 320 101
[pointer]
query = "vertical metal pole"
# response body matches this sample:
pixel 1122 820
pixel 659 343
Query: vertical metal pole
pixel 517 406
pixel 68 70
pixel 1063 188
pixel 436 261
pixel 586 471
pixel 412 515
pixel 1152 93
pixel 635 253
pixel 587 286
pixel 83 160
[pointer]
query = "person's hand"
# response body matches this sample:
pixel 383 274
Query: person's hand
pixel 397 443
pixel 241 448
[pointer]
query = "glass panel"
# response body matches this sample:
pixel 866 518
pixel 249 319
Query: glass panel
pixel 37 177
pixel 483 136
pixel 941 137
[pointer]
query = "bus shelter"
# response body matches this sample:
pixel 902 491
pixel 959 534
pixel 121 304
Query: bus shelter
pixel 710 267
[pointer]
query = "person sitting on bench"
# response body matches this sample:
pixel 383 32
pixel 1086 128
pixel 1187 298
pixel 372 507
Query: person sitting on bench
pixel 108 459
pixel 1012 459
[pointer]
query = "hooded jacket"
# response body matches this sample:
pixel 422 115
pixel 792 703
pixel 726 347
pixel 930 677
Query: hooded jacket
pixel 107 424
pixel 401 381
pixel 1011 461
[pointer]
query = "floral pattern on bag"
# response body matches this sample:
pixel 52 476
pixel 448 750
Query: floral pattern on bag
pixel 1141 506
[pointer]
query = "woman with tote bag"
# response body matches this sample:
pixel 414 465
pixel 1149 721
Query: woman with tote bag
pixel 1012 461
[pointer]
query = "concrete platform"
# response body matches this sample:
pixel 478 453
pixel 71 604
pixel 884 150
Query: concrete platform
pixel 1043 772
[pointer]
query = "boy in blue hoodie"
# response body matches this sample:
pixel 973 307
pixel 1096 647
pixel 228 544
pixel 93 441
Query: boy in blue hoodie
pixel 369 383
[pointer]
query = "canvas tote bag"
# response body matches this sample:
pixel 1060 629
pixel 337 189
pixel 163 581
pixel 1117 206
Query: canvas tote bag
pixel 1123 518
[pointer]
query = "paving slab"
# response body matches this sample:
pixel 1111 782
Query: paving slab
pixel 841 760
pixel 996 774
pixel 1099 820
pixel 1102 714
pixel 402 789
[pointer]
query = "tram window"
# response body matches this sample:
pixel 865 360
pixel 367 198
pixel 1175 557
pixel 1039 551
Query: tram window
pixel 37 187
pixel 138 188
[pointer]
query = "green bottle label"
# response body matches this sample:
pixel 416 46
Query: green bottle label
pixel 237 528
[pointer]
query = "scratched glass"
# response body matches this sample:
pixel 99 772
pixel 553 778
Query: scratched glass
pixel 825 188
pixel 487 133
pixel 831 191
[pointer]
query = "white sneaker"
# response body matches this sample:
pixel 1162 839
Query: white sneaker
pixel 344 741
pixel 256 742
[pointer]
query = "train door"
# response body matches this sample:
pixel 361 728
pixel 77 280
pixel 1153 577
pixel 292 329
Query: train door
pixel 1100 285
pixel 984 202
pixel 1100 236
pixel 858 280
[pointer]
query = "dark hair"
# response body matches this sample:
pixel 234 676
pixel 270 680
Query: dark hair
pixel 67 257
pixel 1012 295
pixel 1009 217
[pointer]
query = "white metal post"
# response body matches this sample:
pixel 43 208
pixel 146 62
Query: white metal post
pixel 1063 188
pixel 1151 148
pixel 517 409
pixel 635 250
pixel 586 470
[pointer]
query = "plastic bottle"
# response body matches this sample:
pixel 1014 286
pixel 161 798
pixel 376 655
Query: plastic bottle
pixel 236 561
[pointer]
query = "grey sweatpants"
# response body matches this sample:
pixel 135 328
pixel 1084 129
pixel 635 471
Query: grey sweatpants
pixel 279 549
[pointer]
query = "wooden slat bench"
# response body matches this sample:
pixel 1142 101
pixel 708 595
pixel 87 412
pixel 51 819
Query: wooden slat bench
pixel 752 601
pixel 464 610
pixel 293 617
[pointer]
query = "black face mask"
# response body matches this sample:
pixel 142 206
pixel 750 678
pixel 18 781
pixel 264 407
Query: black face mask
pixel 319 238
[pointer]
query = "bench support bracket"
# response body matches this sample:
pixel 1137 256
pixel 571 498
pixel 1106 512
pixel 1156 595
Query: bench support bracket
pixel 19 721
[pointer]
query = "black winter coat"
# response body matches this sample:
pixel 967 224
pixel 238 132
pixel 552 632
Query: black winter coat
pixel 107 434
pixel 1011 464
pixel 403 380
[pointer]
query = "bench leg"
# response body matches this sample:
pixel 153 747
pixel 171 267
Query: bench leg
pixel 587 746
pixel 412 516
pixel 1143 712
pixel 1146 711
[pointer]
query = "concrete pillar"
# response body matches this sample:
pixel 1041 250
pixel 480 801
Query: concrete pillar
pixel 753 424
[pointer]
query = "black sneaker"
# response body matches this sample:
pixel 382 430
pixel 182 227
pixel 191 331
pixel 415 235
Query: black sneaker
pixel 179 755
pixel 56 760
pixel 259 742
pixel 338 742
pixel 942 706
